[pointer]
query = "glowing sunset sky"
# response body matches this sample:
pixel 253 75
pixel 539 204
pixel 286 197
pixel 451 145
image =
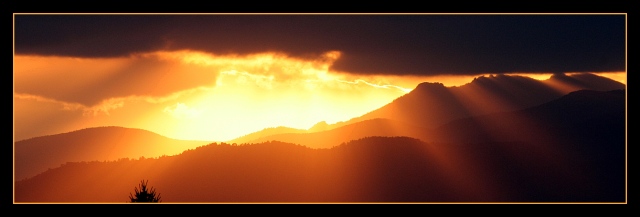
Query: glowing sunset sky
pixel 217 77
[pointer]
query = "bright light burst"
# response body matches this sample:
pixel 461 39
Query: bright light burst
pixel 201 96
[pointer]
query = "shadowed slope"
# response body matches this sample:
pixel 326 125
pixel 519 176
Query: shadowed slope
pixel 580 137
pixel 583 81
pixel 432 104
pixel 428 105
pixel 571 149
pixel 37 154
pixel 568 150
pixel 373 169
pixel 583 116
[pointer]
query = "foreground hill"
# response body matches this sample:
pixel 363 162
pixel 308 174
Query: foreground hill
pixel 35 155
pixel 373 169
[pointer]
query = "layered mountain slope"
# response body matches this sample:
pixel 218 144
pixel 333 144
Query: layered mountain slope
pixel 572 149
pixel 265 133
pixel 583 117
pixel 582 135
pixel 334 137
pixel 374 169
pixel 432 104
pixel 36 155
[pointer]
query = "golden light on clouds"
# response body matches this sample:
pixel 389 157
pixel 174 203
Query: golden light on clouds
pixel 200 96
pixel 195 95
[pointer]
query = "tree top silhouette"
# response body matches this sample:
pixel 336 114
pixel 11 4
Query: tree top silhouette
pixel 144 194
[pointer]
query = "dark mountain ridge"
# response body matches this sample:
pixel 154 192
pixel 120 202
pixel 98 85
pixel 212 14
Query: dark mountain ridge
pixel 431 105
pixel 572 149
pixel 583 132
pixel 568 149
pixel 574 118
pixel 585 114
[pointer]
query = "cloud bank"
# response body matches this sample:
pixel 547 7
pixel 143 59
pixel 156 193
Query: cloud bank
pixel 402 44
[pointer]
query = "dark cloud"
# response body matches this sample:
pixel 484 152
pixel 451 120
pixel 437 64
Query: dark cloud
pixel 374 44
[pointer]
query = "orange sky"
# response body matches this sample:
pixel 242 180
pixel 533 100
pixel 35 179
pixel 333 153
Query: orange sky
pixel 199 96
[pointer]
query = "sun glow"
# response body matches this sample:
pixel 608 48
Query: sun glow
pixel 202 96
pixel 195 95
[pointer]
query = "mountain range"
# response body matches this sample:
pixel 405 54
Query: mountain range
pixel 431 105
pixel 497 139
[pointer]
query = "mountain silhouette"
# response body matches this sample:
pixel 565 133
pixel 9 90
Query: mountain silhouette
pixel 370 169
pixel 581 135
pixel 496 139
pixel 578 136
pixel 36 155
pixel 583 81
pixel 432 104
pixel 582 116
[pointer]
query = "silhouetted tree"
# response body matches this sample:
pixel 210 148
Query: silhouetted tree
pixel 144 194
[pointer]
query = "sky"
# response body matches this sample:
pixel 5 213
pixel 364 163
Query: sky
pixel 216 77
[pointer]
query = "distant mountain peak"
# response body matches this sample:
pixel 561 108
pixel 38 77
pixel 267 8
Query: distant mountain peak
pixel 424 85
pixel 559 75
pixel 481 77
pixel 320 126
pixel 499 78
